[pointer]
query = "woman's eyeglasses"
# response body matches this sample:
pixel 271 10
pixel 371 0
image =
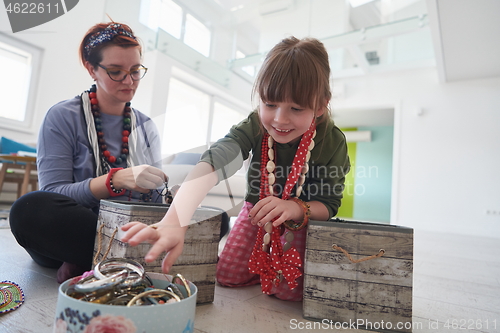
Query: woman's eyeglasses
pixel 118 74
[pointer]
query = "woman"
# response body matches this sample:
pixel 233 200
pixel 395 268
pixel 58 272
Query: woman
pixel 91 147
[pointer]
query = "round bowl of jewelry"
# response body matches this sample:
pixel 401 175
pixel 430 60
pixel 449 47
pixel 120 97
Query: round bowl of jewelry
pixel 157 304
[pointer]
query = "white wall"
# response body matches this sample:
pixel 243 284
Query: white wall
pixel 447 160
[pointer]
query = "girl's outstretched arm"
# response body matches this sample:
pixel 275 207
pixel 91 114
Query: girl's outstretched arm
pixel 168 234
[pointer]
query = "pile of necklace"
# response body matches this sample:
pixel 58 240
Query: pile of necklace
pixel 272 261
pixel 120 281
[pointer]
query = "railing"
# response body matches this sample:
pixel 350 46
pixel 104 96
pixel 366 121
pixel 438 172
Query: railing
pixel 220 74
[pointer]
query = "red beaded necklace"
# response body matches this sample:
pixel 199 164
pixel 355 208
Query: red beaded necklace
pixel 269 261
pixel 103 148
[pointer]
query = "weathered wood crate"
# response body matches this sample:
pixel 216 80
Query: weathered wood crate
pixel 375 294
pixel 198 260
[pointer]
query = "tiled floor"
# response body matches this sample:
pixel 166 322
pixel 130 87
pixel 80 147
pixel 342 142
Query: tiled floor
pixel 456 281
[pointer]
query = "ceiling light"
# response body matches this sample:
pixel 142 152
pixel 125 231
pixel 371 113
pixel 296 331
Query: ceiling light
pixel 357 3
pixel 233 9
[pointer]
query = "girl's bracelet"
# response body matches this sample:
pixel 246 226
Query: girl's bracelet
pixel 295 226
pixel 109 184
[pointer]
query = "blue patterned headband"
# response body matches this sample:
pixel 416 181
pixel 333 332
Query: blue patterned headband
pixel 105 36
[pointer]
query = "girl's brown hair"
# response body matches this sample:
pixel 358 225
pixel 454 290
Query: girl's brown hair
pixel 296 70
pixel 93 55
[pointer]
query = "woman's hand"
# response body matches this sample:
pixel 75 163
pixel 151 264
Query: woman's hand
pixel 164 237
pixel 141 178
pixel 270 207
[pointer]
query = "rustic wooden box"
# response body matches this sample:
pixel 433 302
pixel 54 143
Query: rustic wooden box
pixel 375 294
pixel 199 258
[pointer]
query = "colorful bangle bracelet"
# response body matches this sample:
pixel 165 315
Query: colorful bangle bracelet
pixel 109 184
pixel 295 226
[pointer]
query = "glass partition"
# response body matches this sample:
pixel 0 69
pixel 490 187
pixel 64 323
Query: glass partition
pixel 179 51
pixel 403 41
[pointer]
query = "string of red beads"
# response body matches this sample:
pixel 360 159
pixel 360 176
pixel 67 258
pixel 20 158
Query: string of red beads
pixel 100 134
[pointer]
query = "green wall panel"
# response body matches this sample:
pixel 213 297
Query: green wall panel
pixel 346 209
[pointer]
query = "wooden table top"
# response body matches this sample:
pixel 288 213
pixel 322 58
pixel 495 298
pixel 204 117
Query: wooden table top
pixel 15 158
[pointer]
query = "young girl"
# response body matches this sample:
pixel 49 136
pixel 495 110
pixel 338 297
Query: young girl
pixel 297 172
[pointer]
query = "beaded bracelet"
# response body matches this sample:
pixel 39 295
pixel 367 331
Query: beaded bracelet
pixel 109 183
pixel 295 226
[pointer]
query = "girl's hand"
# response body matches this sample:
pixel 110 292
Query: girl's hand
pixel 270 207
pixel 168 234
pixel 165 238
pixel 141 178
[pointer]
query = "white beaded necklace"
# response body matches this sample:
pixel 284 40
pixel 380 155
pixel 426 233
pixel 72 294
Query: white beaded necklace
pixel 271 166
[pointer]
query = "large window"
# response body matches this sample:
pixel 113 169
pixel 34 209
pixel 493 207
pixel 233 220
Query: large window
pixel 186 119
pixel 19 65
pixel 224 117
pixel 195 118
pixel 197 35
pixel 174 19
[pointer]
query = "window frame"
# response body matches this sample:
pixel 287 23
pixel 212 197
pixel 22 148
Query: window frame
pixel 214 98
pixel 209 117
pixel 225 102
pixel 36 59
pixel 184 25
